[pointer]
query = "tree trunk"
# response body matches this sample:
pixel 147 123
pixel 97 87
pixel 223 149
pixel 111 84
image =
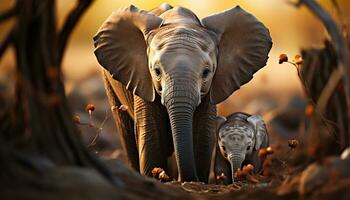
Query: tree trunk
pixel 325 75
pixel 38 123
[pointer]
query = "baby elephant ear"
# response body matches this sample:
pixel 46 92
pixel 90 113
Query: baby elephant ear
pixel 219 121
pixel 120 48
pixel 260 130
pixel 244 43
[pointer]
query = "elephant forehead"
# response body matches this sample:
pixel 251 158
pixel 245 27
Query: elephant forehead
pixel 183 36
pixel 235 130
pixel 179 15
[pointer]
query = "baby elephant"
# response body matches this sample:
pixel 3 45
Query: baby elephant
pixel 239 138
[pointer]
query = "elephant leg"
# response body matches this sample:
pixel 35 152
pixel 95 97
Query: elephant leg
pixel 152 134
pixel 124 122
pixel 204 137
pixel 222 166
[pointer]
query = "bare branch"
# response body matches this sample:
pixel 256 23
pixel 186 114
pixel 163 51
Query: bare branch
pixel 69 25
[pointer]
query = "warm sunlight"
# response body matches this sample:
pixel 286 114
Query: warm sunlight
pixel 184 99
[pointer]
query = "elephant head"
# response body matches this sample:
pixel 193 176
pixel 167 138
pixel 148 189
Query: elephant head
pixel 182 59
pixel 239 137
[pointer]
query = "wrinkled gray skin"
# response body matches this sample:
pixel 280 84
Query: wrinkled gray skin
pixel 171 69
pixel 239 139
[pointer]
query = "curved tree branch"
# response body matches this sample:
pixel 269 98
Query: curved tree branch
pixel 69 25
pixel 339 41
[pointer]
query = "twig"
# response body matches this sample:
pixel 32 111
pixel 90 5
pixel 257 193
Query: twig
pixel 69 25
pixel 99 130
pixel 94 140
pixel 105 119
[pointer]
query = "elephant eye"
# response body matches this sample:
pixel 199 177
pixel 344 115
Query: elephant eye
pixel 248 148
pixel 205 73
pixel 223 148
pixel 157 72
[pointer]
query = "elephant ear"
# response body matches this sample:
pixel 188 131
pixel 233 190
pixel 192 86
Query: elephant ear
pixel 260 130
pixel 219 121
pixel 244 43
pixel 120 48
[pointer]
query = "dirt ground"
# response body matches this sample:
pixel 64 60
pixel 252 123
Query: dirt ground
pixel 284 172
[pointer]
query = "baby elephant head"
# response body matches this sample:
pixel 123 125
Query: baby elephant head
pixel 179 59
pixel 240 136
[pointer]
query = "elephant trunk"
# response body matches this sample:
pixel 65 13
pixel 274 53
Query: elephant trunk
pixel 236 161
pixel 180 100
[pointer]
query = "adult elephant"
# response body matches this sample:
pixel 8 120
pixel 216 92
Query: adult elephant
pixel 170 69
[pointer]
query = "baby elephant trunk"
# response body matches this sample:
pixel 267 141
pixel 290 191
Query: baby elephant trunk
pixel 236 161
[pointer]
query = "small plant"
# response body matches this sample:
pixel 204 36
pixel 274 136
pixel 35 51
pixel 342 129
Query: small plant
pixel 90 108
pixel 297 62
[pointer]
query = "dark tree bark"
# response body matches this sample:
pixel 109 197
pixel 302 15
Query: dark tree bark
pixel 315 73
pixel 38 123
pixel 325 75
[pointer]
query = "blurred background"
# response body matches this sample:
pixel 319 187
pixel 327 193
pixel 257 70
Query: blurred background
pixel 274 89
